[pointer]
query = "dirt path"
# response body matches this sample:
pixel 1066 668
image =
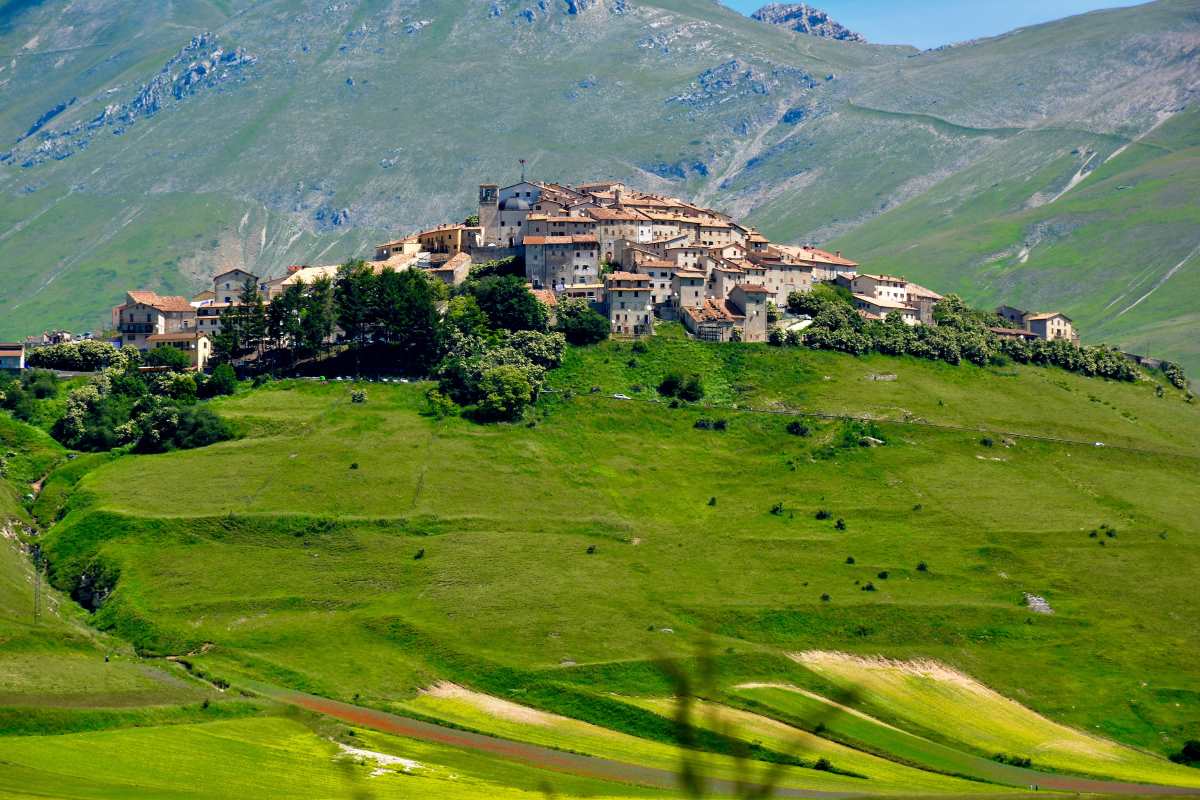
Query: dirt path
pixel 621 772
pixel 531 754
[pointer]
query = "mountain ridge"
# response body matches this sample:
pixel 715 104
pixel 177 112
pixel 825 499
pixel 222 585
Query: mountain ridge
pixel 371 118
pixel 803 18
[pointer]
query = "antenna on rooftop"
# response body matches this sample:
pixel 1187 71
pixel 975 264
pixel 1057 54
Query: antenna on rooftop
pixel 522 169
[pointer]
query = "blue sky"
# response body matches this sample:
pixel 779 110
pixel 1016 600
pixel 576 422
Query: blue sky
pixel 929 23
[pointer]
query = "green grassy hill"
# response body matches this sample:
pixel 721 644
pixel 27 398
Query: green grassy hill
pixel 337 124
pixel 524 580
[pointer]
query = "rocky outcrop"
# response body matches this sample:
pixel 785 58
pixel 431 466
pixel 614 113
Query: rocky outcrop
pixel 803 18
pixel 200 65
pixel 738 79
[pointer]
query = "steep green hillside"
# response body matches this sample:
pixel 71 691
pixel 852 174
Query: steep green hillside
pixel 309 531
pixel 319 128
pixel 999 546
pixel 1119 250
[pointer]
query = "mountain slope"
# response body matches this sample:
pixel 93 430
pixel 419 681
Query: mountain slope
pixel 301 132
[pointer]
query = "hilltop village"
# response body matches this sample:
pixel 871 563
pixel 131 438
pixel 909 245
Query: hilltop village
pixel 636 257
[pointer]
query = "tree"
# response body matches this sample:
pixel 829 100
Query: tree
pixel 464 315
pixel 509 304
pixel 354 301
pixel 88 355
pixel 408 317
pixel 254 317
pixel 676 384
pixel 504 393
pixel 169 427
pixel 316 316
pixel 166 356
pixel 580 323
pixel 285 326
pixel 223 381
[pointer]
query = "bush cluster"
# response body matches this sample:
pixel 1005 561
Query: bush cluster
pixel 1189 754
pixel 680 386
pixel 19 393
pixel 961 334
pixel 500 376
pixel 88 355
pixel 155 412
pixel 1174 374
pixel 583 325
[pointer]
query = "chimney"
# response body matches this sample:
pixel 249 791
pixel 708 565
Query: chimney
pixel 617 196
pixel 838 254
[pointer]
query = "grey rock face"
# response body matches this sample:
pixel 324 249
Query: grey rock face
pixel 803 18
pixel 200 65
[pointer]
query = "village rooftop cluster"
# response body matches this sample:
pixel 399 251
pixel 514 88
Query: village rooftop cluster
pixel 636 257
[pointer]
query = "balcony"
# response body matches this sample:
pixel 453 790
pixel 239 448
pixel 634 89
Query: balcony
pixel 137 327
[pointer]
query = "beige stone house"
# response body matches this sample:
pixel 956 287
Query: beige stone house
pixel 1052 325
pixel 228 285
pixel 630 304
pixel 197 345
pixel 454 271
pixel 881 287
pixel 660 272
pixel 883 307
pixel 749 300
pixel 144 314
pixel 1048 325
pixel 561 260
pixel 711 321
pixel 923 301
pixel 687 291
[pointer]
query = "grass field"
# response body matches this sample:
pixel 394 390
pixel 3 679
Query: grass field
pixel 264 758
pixel 366 552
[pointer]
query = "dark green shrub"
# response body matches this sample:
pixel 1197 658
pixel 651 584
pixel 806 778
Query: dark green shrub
pixel 165 356
pixel 168 427
pixel 849 559
pixel 223 381
pixel 582 325
pixel 798 428
pixel 922 566
pixel 1189 754
pixel 824 514
pixel 777 509
pixel 675 384
pixel 868 587
pixel 883 575
pixel 670 384
pixel 840 524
